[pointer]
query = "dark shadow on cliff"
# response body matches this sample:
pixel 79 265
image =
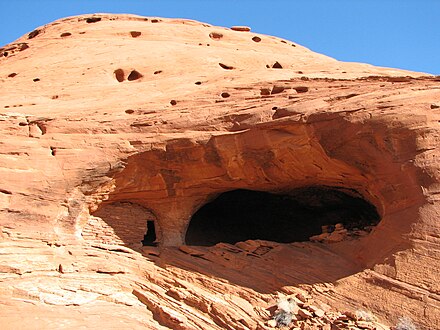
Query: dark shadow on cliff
pixel 260 240
pixel 241 215
pixel 374 149
pixel 269 268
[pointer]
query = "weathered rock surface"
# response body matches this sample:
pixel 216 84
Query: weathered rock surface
pixel 108 121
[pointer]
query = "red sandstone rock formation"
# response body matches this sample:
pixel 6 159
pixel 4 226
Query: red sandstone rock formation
pixel 110 121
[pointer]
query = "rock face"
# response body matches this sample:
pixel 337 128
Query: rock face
pixel 112 121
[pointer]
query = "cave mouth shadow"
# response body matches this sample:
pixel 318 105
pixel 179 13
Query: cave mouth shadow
pixel 122 223
pixel 150 237
pixel 295 216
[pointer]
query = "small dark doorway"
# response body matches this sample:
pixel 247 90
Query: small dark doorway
pixel 240 215
pixel 150 236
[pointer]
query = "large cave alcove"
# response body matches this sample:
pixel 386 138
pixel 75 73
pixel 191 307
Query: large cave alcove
pixel 295 216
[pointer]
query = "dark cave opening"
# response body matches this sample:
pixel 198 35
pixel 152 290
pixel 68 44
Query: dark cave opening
pixel 241 215
pixel 150 236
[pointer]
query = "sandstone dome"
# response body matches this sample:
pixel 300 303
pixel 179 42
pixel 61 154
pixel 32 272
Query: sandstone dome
pixel 120 129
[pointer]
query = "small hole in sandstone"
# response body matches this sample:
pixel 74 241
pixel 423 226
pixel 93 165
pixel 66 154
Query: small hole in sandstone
pixel 280 113
pixel 129 111
pixel 36 79
pixel 208 45
pixel 241 28
pixel 82 32
pixel 293 45
pixel 256 39
pixel 300 72
pixel 12 75
pixel 265 91
pixel 65 34
pixel 157 72
pixel 93 19
pixel 135 34
pixel 173 102
pixel 154 21
pixel 225 95
pixel 5 54
pixel 53 151
pixel 23 46
pixel 226 67
pixel 216 35
pixel 198 83
pixel 274 108
pixel 54 97
pixel 150 236
pixel 119 74
pixel 283 41
pixel 277 65
pixel 22 124
pixel 277 89
pixel 200 44
pixel 33 34
pixel 301 89
pixel 268 66
pixel 6 106
pixel 134 75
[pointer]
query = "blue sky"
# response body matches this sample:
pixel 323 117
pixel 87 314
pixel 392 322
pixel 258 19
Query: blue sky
pixel 395 33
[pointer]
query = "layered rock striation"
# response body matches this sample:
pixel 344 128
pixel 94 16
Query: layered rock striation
pixel 110 122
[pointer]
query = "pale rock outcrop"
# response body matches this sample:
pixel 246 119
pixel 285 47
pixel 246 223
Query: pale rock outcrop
pixel 110 121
